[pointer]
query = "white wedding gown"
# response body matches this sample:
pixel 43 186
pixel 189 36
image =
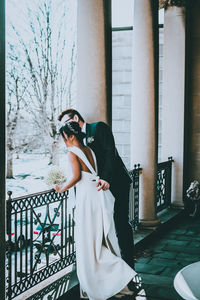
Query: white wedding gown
pixel 101 271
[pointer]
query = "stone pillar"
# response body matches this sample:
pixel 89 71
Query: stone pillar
pixel 2 150
pixel 192 153
pixel 174 97
pixel 144 105
pixel 94 66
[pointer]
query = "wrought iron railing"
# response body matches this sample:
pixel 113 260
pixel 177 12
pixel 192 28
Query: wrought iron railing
pixel 134 197
pixel 40 231
pixel 164 175
pixel 40 239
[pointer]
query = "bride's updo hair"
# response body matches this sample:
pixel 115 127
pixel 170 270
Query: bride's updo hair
pixel 73 128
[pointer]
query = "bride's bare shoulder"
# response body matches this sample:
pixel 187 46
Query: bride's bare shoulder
pixel 72 156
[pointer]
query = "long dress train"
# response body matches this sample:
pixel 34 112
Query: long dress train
pixel 101 271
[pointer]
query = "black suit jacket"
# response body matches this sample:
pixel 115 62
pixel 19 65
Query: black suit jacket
pixel 100 139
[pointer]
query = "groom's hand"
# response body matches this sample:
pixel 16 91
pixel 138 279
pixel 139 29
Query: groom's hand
pixel 103 185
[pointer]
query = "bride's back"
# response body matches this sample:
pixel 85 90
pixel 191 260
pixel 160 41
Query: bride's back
pixel 88 153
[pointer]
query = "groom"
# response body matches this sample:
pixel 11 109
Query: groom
pixel 114 173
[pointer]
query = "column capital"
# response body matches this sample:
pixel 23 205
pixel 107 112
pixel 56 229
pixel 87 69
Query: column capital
pixel 167 3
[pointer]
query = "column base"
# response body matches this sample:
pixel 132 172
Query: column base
pixel 177 205
pixel 149 224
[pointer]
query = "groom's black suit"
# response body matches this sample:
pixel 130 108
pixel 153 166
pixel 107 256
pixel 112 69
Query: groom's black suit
pixel 111 168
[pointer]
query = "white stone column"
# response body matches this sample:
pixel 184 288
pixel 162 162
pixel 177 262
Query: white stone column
pixel 174 97
pixel 144 112
pixel 91 61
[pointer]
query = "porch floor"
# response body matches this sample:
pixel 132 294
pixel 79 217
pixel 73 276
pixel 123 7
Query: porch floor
pixel 160 260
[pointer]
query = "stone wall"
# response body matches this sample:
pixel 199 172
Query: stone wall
pixel 121 101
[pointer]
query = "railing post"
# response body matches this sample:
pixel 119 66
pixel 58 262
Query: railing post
pixel 164 182
pixel 8 246
pixel 169 180
pixel 134 197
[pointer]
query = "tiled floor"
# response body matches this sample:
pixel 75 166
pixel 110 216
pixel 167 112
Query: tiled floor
pixel 163 258
pixel 160 261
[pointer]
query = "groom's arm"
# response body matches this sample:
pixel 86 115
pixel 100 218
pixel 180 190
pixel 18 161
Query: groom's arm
pixel 106 140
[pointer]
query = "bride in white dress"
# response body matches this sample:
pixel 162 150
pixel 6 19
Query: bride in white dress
pixel 101 271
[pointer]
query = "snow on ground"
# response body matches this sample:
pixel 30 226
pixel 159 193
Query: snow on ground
pixel 30 171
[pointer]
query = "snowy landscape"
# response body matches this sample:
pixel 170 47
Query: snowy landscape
pixel 40 83
pixel 30 172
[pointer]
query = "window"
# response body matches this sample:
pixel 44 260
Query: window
pixel 122 13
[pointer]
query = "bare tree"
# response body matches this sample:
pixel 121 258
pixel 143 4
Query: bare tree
pixel 15 94
pixel 48 75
